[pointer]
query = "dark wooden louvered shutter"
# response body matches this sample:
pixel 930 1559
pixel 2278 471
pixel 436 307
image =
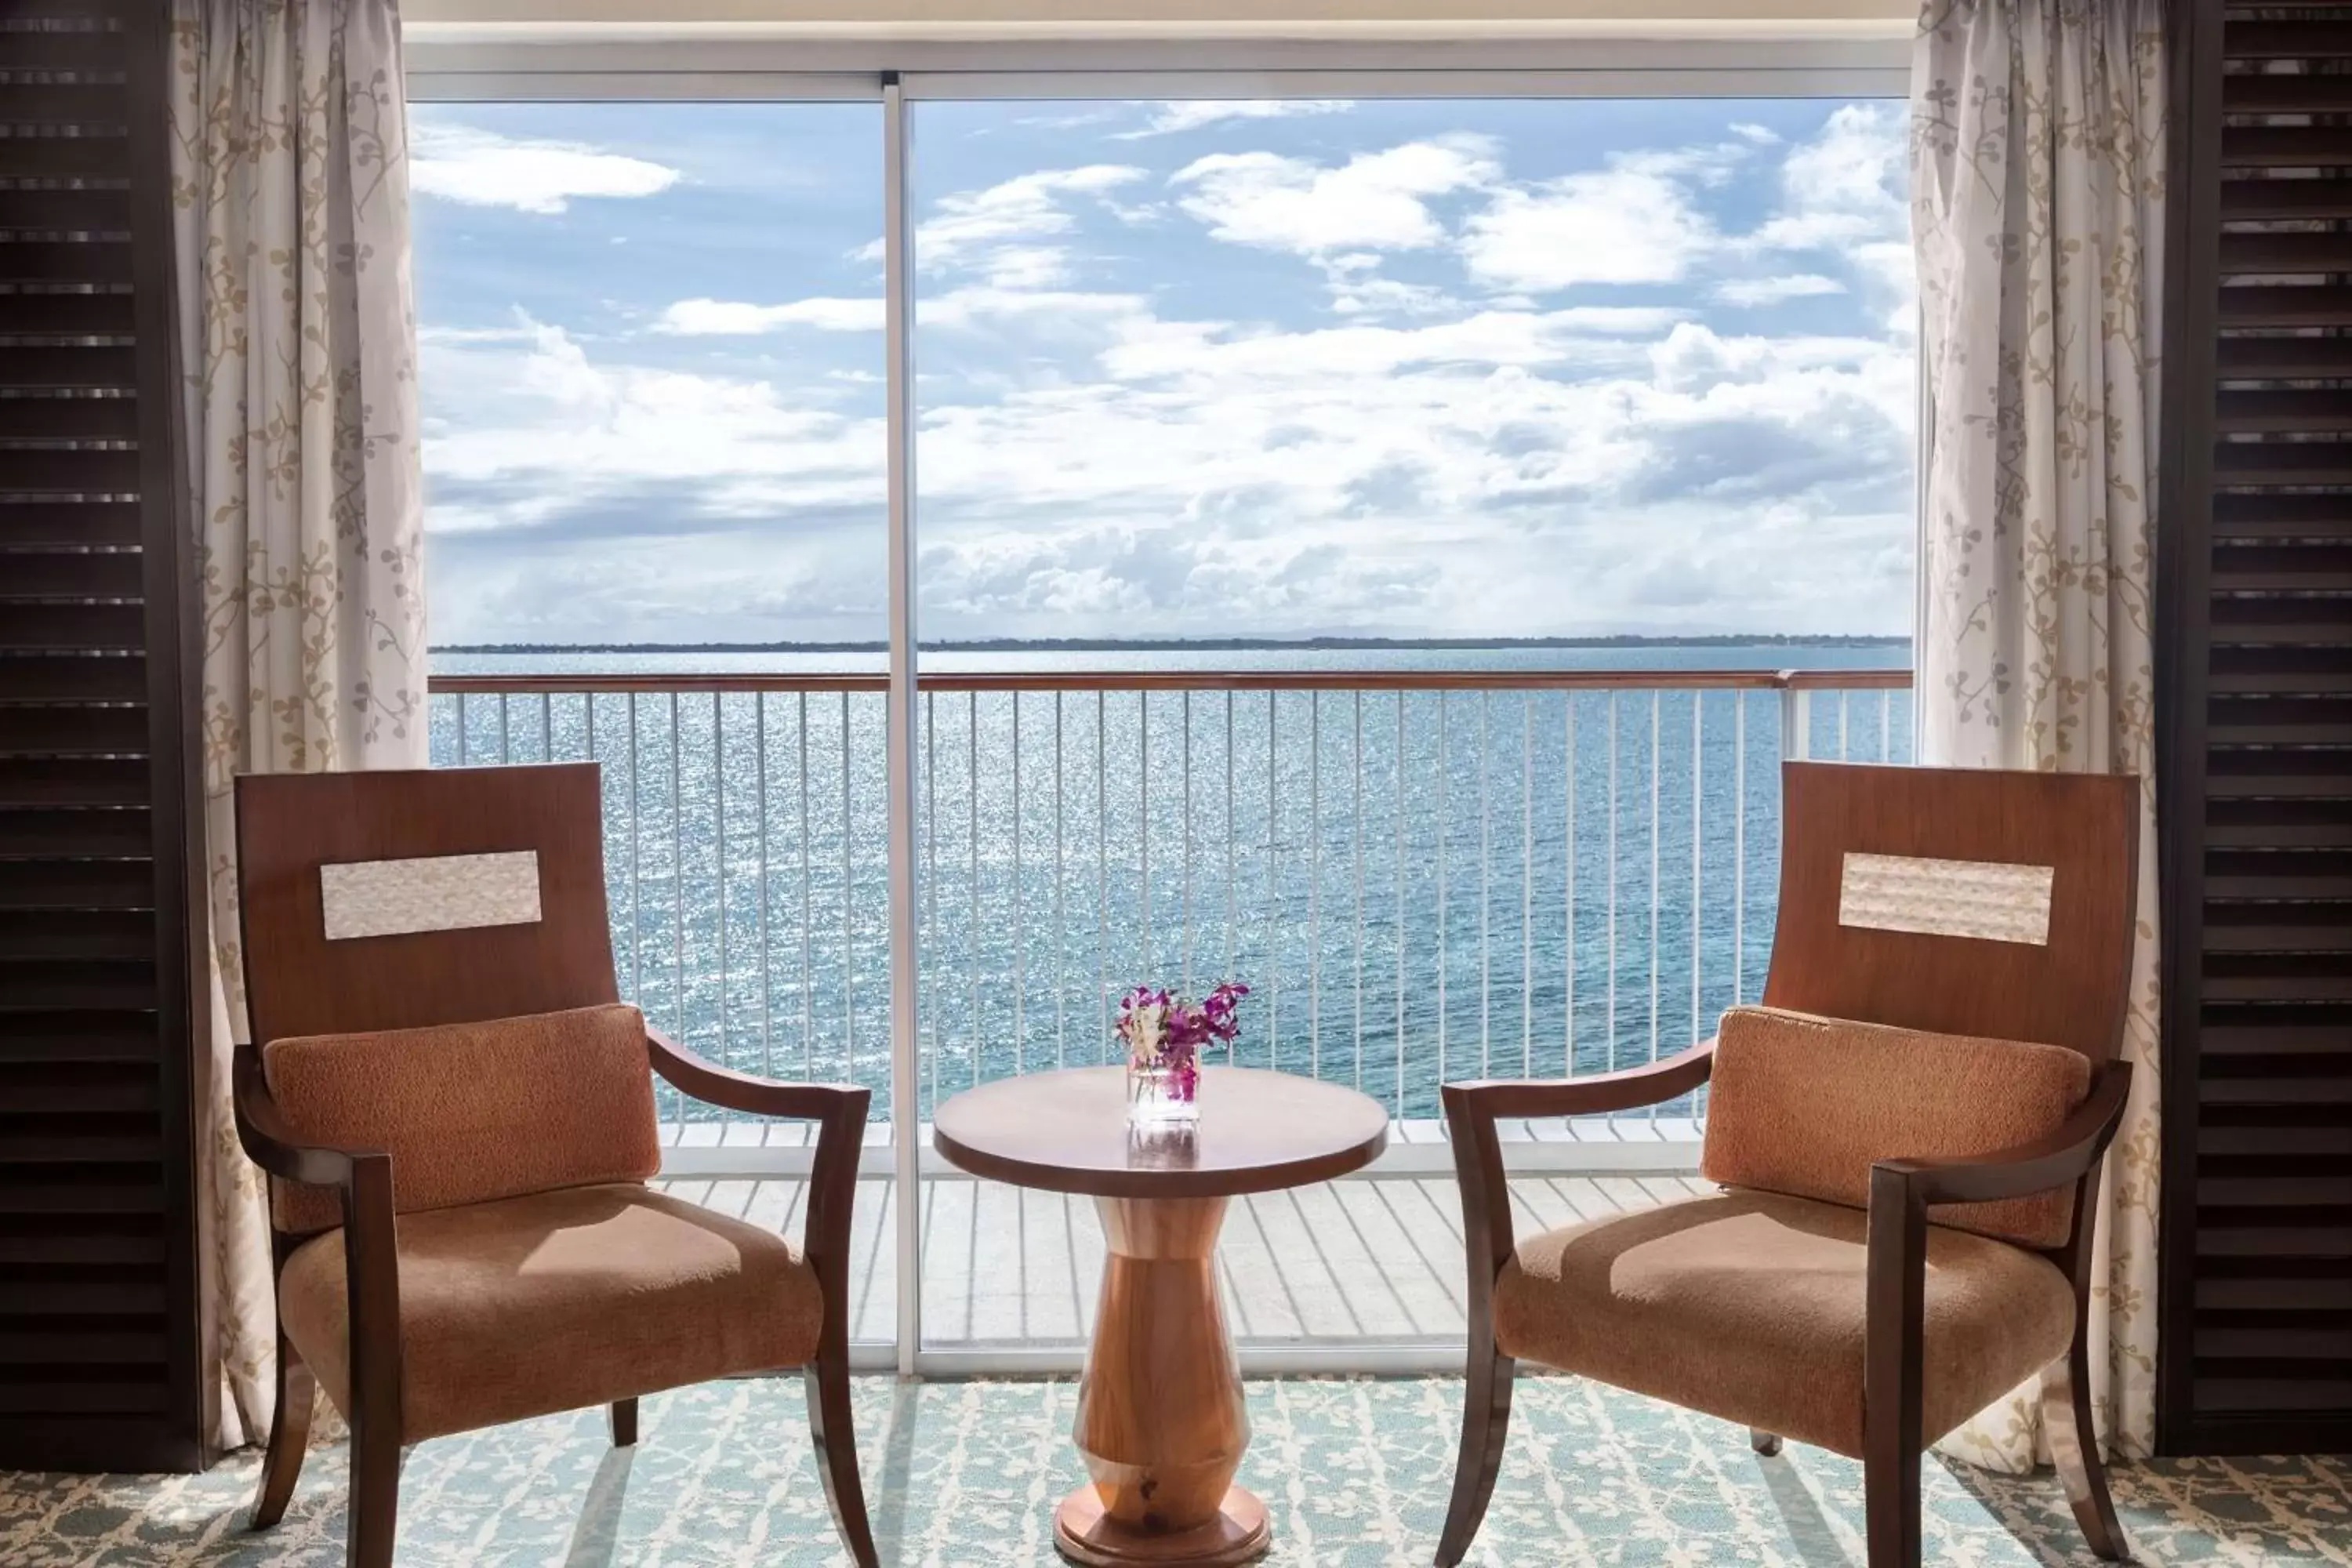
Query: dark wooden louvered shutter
pixel 2256 636
pixel 101 1362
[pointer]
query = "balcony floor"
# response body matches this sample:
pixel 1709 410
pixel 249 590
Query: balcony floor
pixel 1373 1259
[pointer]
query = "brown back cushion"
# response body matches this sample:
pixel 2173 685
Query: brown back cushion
pixel 1805 1105
pixel 470 1112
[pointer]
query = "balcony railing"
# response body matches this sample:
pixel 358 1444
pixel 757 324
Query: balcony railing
pixel 1423 874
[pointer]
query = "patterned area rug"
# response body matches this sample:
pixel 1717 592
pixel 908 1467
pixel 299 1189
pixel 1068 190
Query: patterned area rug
pixel 1356 1472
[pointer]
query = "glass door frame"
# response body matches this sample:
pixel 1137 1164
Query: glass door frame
pixel 453 65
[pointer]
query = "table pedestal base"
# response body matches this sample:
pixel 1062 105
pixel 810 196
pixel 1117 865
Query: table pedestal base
pixel 1237 1533
pixel 1161 1420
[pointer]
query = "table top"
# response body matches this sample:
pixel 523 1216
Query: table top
pixel 1067 1132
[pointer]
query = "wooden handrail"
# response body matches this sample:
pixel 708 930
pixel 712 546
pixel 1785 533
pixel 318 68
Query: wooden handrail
pixel 1194 680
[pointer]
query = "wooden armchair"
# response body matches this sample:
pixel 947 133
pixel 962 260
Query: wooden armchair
pixel 1908 1132
pixel 455 1112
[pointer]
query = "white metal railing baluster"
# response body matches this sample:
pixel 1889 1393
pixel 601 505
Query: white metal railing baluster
pixel 1231 834
pixel 506 752
pixel 1698 837
pixel 1739 850
pixel 1486 888
pixel 1274 901
pixel 677 875
pixel 637 880
pixel 462 760
pixel 1356 772
pixel 546 727
pixel 971 802
pixel 718 800
pixel 1793 747
pixel 1526 883
pixel 931 885
pixel 1845 706
pixel 1143 825
pixel 1886 726
pixel 808 909
pixel 1658 703
pixel 1102 883
pixel 848 911
pixel 1399 808
pixel 1187 751
pixel 1444 833
pixel 1314 884
pixel 1061 930
pixel 1612 1014
pixel 1567 828
pixel 767 991
pixel 1020 914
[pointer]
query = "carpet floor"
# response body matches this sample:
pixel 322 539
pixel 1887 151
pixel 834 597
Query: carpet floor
pixel 1355 1472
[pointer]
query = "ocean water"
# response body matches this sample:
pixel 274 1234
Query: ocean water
pixel 1417 887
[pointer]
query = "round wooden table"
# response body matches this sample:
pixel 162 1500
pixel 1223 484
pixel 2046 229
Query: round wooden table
pixel 1161 1420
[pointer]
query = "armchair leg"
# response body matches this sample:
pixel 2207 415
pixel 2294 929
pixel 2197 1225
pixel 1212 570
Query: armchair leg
pixel 1890 1490
pixel 2075 1450
pixel 625 1423
pixel 830 1427
pixel 1765 1443
pixel 289 1436
pixel 376 1492
pixel 1485 1421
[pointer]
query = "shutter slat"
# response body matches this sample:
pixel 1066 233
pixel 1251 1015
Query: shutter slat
pixel 2244 255
pixel 67 418
pixel 2286 305
pixel 2286 94
pixel 101 310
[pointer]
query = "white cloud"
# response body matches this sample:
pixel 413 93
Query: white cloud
pixel 1845 186
pixel 988 227
pixel 484 169
pixel 1192 114
pixel 1632 223
pixel 1376 201
pixel 714 318
pixel 1774 290
pixel 1094 461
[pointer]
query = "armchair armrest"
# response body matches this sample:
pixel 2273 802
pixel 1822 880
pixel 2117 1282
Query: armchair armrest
pixel 1472 1110
pixel 839 1110
pixel 271 1143
pixel 2023 1169
pixel 362 1177
pixel 1660 1081
pixel 715 1085
pixel 1896 1273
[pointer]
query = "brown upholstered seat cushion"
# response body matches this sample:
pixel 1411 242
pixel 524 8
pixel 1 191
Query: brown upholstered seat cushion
pixel 1750 1307
pixel 1805 1105
pixel 561 1299
pixel 469 1113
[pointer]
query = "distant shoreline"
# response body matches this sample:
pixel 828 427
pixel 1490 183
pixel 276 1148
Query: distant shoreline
pixel 1176 645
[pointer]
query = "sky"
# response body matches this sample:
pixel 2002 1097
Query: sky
pixel 1527 367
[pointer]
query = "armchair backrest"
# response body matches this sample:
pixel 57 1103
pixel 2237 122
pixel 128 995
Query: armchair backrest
pixel 429 972
pixel 401 899
pixel 1960 901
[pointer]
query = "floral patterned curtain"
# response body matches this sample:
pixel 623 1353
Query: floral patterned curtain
pixel 298 342
pixel 2037 170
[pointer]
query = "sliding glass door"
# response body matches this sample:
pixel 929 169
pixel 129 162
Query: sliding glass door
pixel 1359 542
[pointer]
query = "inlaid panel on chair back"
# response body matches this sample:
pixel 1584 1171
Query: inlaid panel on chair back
pixel 396 900
pixel 1966 901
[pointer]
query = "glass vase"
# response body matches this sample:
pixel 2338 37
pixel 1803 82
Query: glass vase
pixel 1161 1091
